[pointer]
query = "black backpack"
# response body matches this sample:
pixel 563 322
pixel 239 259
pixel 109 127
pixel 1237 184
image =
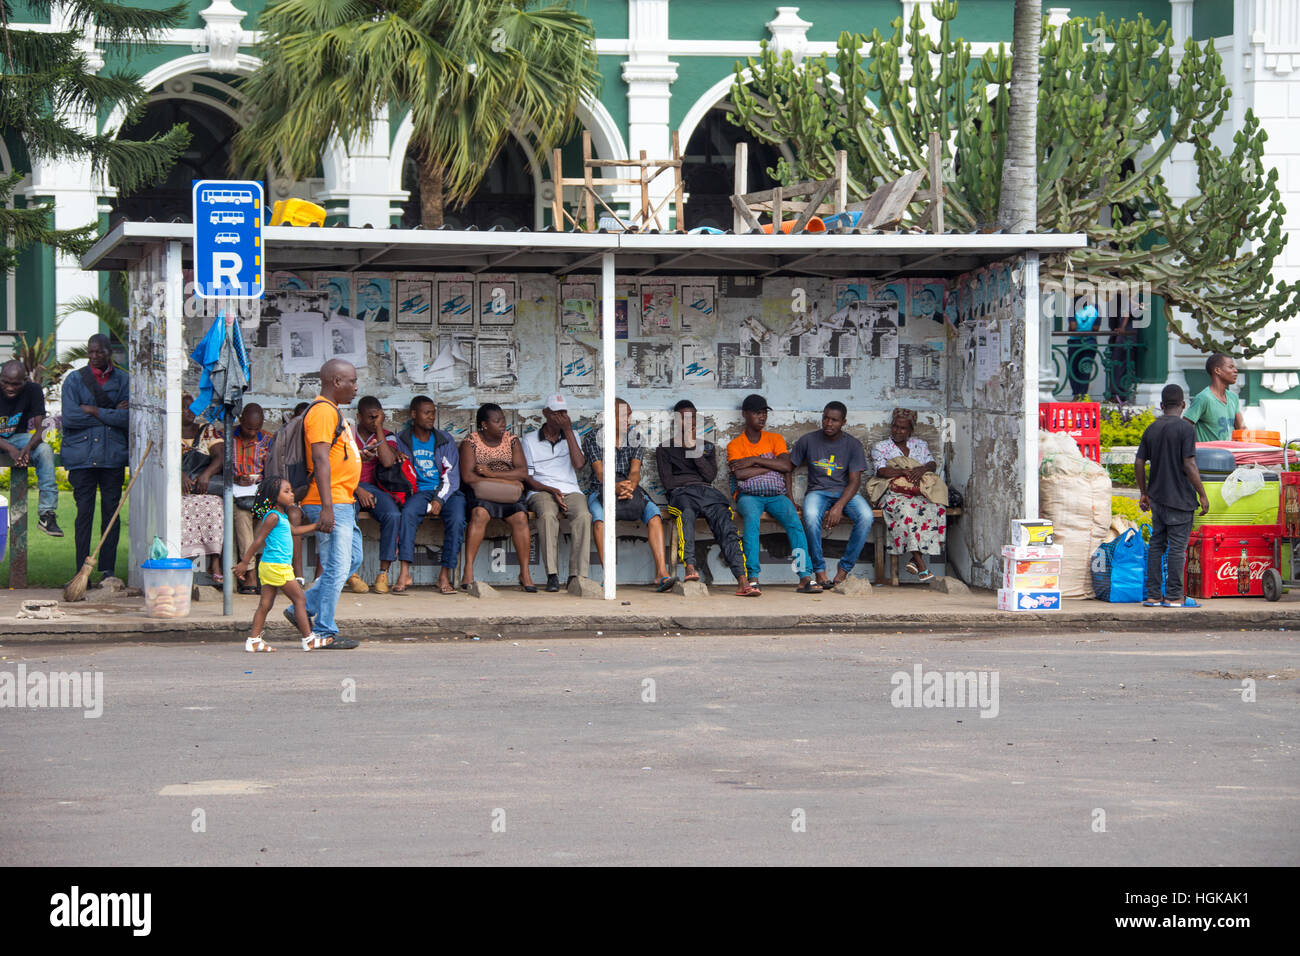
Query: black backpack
pixel 290 458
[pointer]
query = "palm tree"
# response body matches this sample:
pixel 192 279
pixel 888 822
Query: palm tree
pixel 469 71
pixel 1018 205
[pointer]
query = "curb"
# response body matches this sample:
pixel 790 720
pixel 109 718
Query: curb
pixel 514 627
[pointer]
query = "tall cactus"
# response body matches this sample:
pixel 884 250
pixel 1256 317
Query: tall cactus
pixel 1113 104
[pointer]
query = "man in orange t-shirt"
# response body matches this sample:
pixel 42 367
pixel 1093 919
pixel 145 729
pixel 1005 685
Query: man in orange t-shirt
pixel 763 474
pixel 329 502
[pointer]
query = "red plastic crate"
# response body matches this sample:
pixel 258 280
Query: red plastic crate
pixel 1217 549
pixel 1076 419
pixel 1090 448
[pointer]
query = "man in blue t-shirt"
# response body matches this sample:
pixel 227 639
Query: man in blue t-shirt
pixel 835 463
pixel 437 468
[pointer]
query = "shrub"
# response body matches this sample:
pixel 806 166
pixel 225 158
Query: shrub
pixel 1128 508
pixel 1124 426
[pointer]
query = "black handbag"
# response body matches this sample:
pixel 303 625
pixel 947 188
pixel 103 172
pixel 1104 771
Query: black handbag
pixel 631 509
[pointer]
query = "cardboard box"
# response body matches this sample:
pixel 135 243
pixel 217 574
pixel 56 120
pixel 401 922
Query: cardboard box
pixel 1036 552
pixel 1026 532
pixel 1016 599
pixel 1031 582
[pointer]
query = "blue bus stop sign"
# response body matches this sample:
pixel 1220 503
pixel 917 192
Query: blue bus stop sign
pixel 228 253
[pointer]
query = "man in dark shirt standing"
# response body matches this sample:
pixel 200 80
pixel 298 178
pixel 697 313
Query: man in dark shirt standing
pixel 1169 444
pixel 687 469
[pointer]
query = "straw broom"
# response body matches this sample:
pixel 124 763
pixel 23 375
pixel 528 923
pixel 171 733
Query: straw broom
pixel 76 588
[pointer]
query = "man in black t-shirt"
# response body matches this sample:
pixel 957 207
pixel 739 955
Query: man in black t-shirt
pixel 22 418
pixel 1169 444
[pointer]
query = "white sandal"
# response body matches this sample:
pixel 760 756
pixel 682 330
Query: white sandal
pixel 313 641
pixel 255 645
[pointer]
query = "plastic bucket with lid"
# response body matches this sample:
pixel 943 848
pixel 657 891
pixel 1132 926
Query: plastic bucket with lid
pixel 167 585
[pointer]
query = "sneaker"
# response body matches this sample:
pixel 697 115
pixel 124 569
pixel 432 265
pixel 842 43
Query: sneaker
pixel 356 585
pixel 293 618
pixel 341 644
pixel 552 582
pixel 50 525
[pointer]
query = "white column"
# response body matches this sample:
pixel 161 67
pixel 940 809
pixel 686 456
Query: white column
pixel 1029 421
pixel 608 386
pixel 76 195
pixel 360 177
pixel 649 75
pixel 1272 90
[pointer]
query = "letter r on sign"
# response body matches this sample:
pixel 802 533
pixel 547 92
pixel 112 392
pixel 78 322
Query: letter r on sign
pixel 226 267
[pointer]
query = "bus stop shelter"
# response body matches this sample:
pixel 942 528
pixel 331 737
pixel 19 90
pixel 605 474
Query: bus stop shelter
pixel 468 317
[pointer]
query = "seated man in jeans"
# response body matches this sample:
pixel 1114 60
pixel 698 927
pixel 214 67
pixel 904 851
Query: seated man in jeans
pixel 687 468
pixel 760 464
pixel 22 407
pixel 437 468
pixel 835 463
pixel 628 455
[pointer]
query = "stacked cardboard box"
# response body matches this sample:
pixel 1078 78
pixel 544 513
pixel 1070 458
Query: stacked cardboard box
pixel 1031 569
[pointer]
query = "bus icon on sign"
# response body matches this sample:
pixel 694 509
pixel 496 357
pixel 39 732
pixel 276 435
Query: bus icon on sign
pixel 218 194
pixel 226 238
pixel 226 217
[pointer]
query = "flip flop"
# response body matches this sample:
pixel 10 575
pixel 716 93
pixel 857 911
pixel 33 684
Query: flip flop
pixel 748 591
pixel 926 575
pixel 693 576
pixel 447 589
pixel 812 587
pixel 665 584
pixel 1151 603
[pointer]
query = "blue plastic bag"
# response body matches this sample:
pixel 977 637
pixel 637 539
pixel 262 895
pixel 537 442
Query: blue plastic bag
pixel 1128 571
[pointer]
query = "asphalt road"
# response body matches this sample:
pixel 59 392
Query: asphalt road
pixel 550 752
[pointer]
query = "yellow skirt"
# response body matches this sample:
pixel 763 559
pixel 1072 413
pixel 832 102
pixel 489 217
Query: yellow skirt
pixel 273 574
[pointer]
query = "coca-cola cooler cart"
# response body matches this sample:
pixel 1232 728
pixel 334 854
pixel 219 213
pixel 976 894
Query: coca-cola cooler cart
pixel 1274 582
pixel 1234 547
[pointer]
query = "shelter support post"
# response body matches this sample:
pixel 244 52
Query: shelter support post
pixel 1029 423
pixel 610 570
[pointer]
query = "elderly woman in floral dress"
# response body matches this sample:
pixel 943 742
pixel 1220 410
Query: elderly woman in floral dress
pixel 915 523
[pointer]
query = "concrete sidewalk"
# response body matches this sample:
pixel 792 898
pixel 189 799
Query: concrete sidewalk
pixel 424 614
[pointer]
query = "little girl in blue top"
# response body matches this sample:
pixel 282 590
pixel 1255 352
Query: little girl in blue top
pixel 274 497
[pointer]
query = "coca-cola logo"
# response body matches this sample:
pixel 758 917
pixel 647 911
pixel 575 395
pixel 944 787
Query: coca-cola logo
pixel 1228 570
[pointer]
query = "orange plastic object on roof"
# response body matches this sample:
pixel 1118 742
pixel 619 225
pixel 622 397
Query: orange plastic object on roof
pixel 815 224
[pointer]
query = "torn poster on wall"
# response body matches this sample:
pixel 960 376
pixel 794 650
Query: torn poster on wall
pixel 626 311
pixel 415 302
pixel 453 365
pixel 374 298
pixel 497 303
pixel 834 373
pixel 697 306
pixel 339 289
pixel 919 366
pixel 345 339
pixel 739 366
pixel 697 364
pixel 926 299
pixel 302 337
pixel 455 302
pixel 411 359
pixel 658 305
pixel 879 330
pixel 498 364
pixel 649 365
pixel 893 294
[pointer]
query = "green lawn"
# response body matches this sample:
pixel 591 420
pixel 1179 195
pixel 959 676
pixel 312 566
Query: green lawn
pixel 51 562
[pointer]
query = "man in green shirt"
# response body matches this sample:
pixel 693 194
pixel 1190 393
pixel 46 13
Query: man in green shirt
pixel 1215 411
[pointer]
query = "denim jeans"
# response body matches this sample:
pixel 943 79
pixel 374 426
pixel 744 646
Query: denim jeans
pixel 340 558
pixel 751 508
pixel 815 506
pixel 651 510
pixel 389 516
pixel 1170 529
pixel 42 460
pixel 452 517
